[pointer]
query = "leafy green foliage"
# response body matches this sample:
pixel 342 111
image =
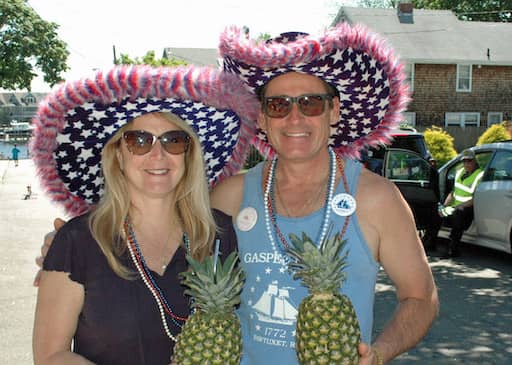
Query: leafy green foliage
pixel 149 59
pixel 495 133
pixel 253 158
pixel 440 144
pixel 377 3
pixel 321 269
pixel 215 285
pixel 476 10
pixel 28 44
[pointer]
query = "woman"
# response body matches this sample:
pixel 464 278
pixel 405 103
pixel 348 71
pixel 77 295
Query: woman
pixel 110 292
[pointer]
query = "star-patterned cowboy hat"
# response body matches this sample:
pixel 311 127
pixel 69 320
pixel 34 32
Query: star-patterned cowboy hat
pixel 364 71
pixel 76 120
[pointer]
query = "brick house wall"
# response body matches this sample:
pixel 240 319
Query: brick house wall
pixel 434 93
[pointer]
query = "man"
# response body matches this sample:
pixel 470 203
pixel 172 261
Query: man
pixel 15 154
pixel 457 209
pixel 314 94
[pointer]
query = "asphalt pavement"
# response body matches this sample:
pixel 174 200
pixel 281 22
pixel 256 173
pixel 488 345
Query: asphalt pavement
pixel 474 324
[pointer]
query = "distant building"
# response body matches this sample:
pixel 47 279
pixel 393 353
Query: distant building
pixel 460 71
pixel 18 106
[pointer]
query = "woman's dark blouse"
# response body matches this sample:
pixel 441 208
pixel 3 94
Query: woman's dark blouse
pixel 120 321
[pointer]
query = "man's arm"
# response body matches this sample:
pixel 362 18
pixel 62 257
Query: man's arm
pixel 48 239
pixel 227 195
pixel 395 242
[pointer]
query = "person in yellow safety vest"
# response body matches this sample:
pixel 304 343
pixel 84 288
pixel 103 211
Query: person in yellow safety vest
pixel 457 209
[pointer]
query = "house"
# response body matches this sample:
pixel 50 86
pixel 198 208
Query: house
pixel 18 106
pixel 460 72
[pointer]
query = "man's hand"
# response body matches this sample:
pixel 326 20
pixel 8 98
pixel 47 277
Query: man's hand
pixel 48 239
pixel 366 355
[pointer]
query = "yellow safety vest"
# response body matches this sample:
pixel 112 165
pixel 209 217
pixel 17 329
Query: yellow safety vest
pixel 464 188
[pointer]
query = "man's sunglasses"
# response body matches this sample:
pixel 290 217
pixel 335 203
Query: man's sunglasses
pixel 141 142
pixel 311 105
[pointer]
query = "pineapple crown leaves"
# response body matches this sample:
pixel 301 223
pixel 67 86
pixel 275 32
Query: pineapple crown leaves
pixel 321 269
pixel 215 290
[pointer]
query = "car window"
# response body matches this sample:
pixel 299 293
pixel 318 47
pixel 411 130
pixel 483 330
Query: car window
pixel 413 143
pixel 483 158
pixel 500 167
pixel 404 165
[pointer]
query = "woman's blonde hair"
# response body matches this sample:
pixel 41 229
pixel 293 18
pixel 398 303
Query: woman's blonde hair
pixel 192 201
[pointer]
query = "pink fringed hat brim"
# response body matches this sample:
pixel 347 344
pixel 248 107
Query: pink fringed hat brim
pixel 87 112
pixel 358 63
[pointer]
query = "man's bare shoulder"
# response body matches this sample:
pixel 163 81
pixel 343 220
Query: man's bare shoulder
pixel 227 195
pixel 375 189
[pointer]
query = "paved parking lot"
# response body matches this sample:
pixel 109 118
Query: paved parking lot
pixel 474 325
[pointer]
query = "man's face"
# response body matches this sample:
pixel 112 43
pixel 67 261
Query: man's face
pixel 469 165
pixel 297 135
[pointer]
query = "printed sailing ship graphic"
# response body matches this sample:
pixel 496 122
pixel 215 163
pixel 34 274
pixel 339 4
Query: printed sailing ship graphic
pixel 274 306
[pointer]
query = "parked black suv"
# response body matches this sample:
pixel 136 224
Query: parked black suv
pixel 408 163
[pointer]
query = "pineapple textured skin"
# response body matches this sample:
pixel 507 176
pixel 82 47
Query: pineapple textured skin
pixel 327 331
pixel 209 340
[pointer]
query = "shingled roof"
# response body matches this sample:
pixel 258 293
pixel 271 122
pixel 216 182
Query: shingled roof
pixel 436 36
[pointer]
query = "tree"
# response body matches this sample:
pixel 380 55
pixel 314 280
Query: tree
pixel 487 11
pixel 149 59
pixel 377 3
pixel 495 133
pixel 440 144
pixel 28 44
pixel 476 10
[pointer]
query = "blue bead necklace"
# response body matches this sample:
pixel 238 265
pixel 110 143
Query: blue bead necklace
pixel 145 273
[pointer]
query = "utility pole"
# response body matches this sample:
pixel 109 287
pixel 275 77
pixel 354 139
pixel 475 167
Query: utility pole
pixel 114 52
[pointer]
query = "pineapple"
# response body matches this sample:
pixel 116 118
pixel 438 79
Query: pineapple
pixel 327 327
pixel 212 333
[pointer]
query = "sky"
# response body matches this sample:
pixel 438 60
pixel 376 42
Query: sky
pixel 92 28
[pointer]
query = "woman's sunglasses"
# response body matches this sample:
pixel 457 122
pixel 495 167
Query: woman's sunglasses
pixel 141 142
pixel 311 105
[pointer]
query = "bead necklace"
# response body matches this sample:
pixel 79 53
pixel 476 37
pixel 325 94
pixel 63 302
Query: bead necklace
pixel 270 216
pixel 149 281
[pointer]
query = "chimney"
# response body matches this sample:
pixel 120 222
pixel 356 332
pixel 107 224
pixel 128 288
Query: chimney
pixel 404 12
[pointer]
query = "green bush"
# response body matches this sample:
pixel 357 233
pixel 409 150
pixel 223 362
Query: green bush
pixel 495 133
pixel 253 158
pixel 440 144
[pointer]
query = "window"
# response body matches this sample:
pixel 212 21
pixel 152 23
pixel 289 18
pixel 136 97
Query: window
pixel 500 168
pixel 494 118
pixel 462 119
pixel 409 74
pixel 407 166
pixel 409 118
pixel 464 78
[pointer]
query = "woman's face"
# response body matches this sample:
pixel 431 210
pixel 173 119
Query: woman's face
pixel 156 174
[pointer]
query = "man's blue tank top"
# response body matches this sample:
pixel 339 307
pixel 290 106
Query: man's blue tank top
pixel 271 297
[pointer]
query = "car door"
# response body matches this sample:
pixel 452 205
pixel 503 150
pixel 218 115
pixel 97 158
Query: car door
pixel 417 180
pixel 493 199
